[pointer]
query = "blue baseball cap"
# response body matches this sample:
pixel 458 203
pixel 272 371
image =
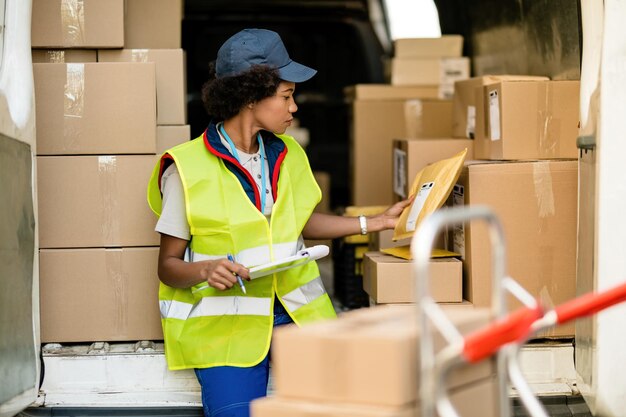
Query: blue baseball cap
pixel 259 47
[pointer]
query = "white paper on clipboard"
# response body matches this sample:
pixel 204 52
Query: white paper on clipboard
pixel 302 257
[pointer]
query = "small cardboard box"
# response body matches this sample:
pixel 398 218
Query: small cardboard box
pixel 377 117
pixel 369 356
pixel 95 201
pixel 63 56
pixel 95 108
pixel 468 96
pixel 410 156
pixel 88 24
pixel 536 202
pixel 171 82
pixel 529 120
pixel 388 279
pixel 430 71
pixel 444 46
pixel 98 294
pixel 428 118
pixel 169 136
pixel 478 399
pixel 153 24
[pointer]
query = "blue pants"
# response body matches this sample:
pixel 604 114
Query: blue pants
pixel 227 390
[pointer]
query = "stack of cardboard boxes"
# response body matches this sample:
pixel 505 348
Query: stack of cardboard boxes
pixel 520 132
pixel 110 95
pixel 366 363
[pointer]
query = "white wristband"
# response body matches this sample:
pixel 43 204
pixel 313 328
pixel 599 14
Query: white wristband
pixel 363 223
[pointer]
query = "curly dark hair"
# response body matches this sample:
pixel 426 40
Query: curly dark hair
pixel 224 97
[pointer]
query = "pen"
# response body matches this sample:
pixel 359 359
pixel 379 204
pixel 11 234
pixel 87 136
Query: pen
pixel 239 280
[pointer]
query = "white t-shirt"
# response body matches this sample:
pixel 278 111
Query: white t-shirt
pixel 173 219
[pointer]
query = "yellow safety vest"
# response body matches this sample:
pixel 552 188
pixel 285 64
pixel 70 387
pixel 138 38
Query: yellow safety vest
pixel 204 327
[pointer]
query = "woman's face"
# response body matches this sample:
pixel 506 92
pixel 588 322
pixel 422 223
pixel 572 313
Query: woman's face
pixel 275 113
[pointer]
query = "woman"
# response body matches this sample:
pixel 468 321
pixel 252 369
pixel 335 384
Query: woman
pixel 242 189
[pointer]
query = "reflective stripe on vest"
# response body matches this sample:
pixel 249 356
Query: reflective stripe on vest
pixel 304 295
pixel 253 256
pixel 216 306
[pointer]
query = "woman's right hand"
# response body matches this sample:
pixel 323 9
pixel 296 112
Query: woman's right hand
pixel 220 273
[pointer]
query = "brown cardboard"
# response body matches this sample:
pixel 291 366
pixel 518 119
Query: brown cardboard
pixel 411 155
pixel 170 136
pixel 430 71
pixel 62 24
pixel 383 239
pixel 444 46
pixel 378 117
pixel 428 118
pixel 465 102
pixel 536 202
pixel 323 180
pixel 390 92
pixel 99 294
pixel 529 120
pixel 153 24
pixel 478 399
pixel 171 83
pixel 368 356
pixel 388 279
pixel 95 201
pixel 95 108
pixel 63 56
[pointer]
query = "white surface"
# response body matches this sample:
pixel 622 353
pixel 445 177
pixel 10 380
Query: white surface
pixel 302 257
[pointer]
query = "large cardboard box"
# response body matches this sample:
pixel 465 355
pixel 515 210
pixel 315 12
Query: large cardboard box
pixel 478 399
pixel 536 202
pixel 369 356
pixel 430 71
pixel 84 24
pixel 171 84
pixel 89 295
pixel 410 156
pixel 95 201
pixel 529 120
pixel 444 46
pixel 378 117
pixel 428 118
pixel 468 96
pixel 153 24
pixel 63 56
pixel 169 136
pixel 388 279
pixel 95 108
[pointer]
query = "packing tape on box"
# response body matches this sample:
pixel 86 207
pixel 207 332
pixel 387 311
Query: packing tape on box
pixel 73 105
pixel 73 22
pixel 544 192
pixel 139 55
pixel 549 126
pixel 107 173
pixel 117 282
pixel 56 57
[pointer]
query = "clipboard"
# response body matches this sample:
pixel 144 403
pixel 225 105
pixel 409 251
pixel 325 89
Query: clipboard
pixel 302 257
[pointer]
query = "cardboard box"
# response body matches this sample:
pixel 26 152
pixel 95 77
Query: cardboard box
pixel 378 117
pixel 468 96
pixel 410 156
pixel 171 82
pixel 390 92
pixel 428 118
pixel 444 46
pixel 536 202
pixel 95 201
pixel 63 56
pixel 478 399
pixel 88 24
pixel 529 120
pixel 388 279
pixel 169 136
pixel 430 71
pixel 98 294
pixel 368 356
pixel 95 108
pixel 323 180
pixel 153 24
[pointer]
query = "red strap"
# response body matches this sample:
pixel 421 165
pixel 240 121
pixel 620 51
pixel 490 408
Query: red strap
pixel 514 327
pixel 590 303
